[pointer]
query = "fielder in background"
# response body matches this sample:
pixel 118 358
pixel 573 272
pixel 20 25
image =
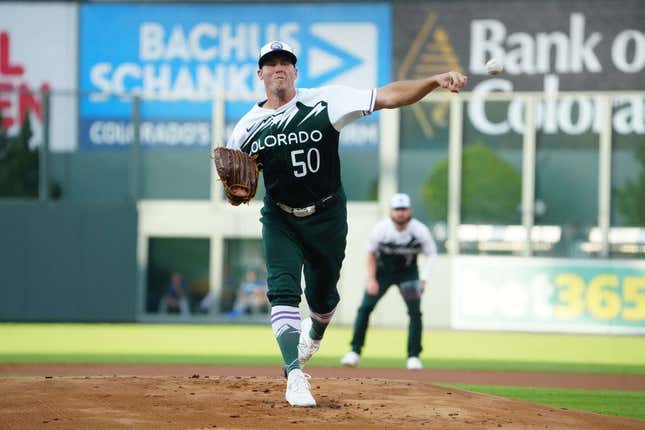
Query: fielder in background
pixel 393 248
pixel 293 134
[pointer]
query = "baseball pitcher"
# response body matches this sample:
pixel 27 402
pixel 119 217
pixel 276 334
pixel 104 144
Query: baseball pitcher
pixel 293 136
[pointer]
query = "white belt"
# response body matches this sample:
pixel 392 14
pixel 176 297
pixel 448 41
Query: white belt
pixel 298 212
pixel 307 210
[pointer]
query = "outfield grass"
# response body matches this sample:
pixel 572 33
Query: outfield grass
pixel 620 403
pixel 254 345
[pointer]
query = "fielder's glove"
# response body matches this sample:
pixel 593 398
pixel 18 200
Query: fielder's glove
pixel 238 172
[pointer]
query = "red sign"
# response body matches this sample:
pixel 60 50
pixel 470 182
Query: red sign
pixel 16 98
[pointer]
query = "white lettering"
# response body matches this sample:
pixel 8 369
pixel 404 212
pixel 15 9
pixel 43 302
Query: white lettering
pixel 230 42
pixel 520 59
pixel 573 115
pixel 300 166
pixel 566 110
pixel 516 115
pixel 101 81
pixel 152 133
pixel 151 41
pixel 303 136
pixel 200 31
pixel 544 42
pixel 486 37
pixel 177 46
pixel 525 53
pixel 121 73
pixel 210 82
pixel 205 42
pixel 184 83
pixel 238 82
pixel 550 118
pixel 630 115
pixel 621 46
pixel 316 136
pixel 156 81
pixel 313 163
pixel 582 53
pixel 477 107
pixel 269 141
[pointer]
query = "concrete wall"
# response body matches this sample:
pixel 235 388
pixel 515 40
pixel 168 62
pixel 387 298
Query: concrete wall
pixel 219 221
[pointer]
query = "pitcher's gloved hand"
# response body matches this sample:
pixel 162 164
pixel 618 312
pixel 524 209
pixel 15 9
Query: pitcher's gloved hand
pixel 238 172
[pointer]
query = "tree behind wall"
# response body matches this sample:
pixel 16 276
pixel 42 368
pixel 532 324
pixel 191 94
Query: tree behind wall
pixel 630 199
pixel 18 163
pixel 491 188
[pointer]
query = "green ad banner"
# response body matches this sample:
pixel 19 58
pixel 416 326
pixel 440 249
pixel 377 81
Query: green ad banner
pixel 523 294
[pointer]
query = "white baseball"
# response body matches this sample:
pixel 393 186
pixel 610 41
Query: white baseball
pixel 493 67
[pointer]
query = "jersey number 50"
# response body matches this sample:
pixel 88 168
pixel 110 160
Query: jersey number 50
pixel 302 167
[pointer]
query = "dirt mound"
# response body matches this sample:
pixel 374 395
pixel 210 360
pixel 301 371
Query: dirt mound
pixel 248 402
pixel 590 381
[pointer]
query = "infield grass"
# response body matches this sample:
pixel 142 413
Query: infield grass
pixel 254 345
pixel 620 403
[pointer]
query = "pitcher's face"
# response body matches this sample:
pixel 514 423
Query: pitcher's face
pixel 278 73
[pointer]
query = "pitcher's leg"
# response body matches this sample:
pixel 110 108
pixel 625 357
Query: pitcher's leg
pixel 324 255
pixel 284 259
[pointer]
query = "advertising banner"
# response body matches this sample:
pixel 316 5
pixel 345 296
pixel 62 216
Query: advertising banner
pixel 182 55
pixel 497 293
pixel 37 53
pixel 549 46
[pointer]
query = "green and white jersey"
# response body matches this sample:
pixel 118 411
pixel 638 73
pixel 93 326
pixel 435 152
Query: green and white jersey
pixel 297 144
pixel 396 251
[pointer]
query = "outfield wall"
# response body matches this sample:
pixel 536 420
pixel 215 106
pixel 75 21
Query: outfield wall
pixel 63 262
pixel 67 262
pixel 144 131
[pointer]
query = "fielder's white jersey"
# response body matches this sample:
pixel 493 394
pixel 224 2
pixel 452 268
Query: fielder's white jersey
pixel 398 250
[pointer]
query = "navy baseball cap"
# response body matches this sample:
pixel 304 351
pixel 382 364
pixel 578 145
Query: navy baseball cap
pixel 274 47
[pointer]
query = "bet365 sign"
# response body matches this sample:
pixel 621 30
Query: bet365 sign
pixel 508 293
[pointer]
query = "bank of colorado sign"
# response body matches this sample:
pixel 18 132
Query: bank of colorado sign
pixel 548 47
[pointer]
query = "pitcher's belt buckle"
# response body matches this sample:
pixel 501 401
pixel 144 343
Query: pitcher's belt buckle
pixel 298 212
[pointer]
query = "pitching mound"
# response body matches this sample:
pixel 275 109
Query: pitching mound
pixel 236 402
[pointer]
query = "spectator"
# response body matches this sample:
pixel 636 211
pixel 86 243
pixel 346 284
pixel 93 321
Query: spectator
pixel 251 296
pixel 175 298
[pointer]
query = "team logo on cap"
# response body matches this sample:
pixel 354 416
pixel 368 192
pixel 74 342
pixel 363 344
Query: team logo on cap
pixel 276 46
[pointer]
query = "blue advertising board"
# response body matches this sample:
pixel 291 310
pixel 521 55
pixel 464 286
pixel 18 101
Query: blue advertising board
pixel 179 52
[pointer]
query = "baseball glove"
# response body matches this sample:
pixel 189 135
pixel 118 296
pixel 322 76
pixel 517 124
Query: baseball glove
pixel 238 172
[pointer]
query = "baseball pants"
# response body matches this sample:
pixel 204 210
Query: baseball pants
pixel 410 291
pixel 316 242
